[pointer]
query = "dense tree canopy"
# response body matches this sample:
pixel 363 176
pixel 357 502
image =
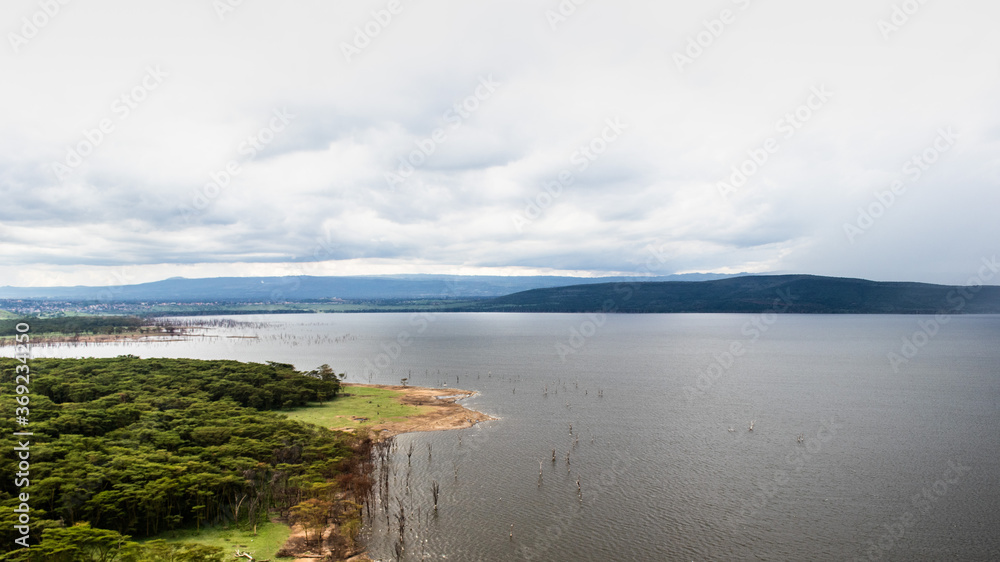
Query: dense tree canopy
pixel 130 446
pixel 79 324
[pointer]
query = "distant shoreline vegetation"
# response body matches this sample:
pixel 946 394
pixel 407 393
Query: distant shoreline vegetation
pixel 804 294
pixel 48 309
pixel 794 294
pixel 85 326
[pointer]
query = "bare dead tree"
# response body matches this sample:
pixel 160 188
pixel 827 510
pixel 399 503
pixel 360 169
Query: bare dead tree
pixel 401 518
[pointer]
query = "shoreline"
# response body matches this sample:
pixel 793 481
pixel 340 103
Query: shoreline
pixel 441 412
pixel 445 411
pixel 44 339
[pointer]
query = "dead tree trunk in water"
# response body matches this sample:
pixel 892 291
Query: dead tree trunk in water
pixel 401 518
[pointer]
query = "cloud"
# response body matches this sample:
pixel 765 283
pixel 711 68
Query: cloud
pixel 482 108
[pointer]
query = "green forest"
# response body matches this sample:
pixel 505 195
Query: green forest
pixel 79 325
pixel 126 449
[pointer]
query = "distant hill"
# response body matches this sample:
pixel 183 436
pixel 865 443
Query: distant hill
pixel 787 293
pixel 278 289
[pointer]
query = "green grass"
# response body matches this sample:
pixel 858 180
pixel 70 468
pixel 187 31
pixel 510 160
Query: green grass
pixel 376 404
pixel 7 315
pixel 269 539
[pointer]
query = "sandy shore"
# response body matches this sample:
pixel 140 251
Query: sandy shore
pixel 445 411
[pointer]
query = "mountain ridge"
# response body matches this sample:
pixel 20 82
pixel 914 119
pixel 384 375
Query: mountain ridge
pixel 236 289
pixel 795 293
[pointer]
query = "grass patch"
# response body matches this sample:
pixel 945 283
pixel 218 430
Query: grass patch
pixel 269 539
pixel 7 315
pixel 375 404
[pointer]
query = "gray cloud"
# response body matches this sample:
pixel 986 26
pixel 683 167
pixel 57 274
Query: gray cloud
pixel 315 194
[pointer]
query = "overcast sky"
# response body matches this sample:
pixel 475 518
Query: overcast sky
pixel 514 137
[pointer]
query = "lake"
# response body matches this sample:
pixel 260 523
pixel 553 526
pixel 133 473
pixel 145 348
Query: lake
pixel 874 437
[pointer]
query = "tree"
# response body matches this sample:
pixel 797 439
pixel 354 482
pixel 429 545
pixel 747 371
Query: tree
pixel 184 449
pixel 326 373
pixel 312 514
pixel 79 543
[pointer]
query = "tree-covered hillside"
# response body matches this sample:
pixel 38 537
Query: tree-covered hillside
pixel 130 446
pixel 755 293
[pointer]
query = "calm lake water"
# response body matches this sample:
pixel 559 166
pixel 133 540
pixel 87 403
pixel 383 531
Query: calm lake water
pixel 853 454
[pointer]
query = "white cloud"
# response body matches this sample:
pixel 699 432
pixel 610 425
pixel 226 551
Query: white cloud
pixel 318 189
